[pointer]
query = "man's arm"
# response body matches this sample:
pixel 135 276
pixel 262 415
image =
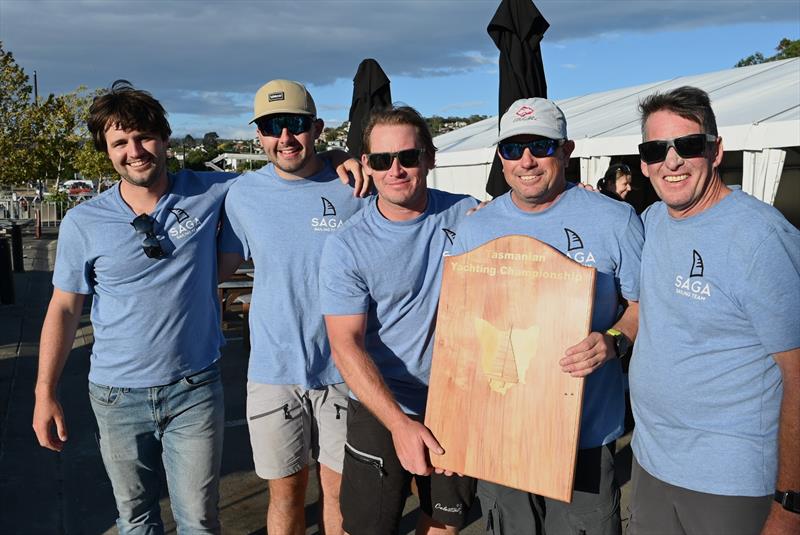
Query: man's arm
pixel 58 333
pixel 227 264
pixel 596 349
pixel 344 163
pixel 411 438
pixel 780 520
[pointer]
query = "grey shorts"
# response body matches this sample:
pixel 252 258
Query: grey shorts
pixel 289 425
pixel 594 509
pixel 660 508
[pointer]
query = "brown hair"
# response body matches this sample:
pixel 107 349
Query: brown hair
pixel 688 102
pixel 400 115
pixel 127 108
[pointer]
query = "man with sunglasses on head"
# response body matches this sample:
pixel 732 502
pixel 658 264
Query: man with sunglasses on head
pixel 145 250
pixel 595 231
pixel 379 284
pixel 280 216
pixel 715 375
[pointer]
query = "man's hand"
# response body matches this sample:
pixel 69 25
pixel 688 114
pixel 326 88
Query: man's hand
pixel 585 357
pixel 412 440
pixel 587 186
pixel 781 522
pixel 362 181
pixel 480 206
pixel 47 418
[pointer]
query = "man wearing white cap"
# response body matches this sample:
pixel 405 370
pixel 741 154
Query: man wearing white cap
pixel 597 232
pixel 280 216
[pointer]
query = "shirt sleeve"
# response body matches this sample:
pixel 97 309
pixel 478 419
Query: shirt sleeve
pixel 343 290
pixel 74 270
pixel 232 236
pixel 629 270
pixel 770 291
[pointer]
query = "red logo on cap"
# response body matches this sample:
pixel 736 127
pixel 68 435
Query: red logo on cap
pixel 524 111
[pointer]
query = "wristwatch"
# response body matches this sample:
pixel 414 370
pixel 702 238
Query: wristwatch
pixel 789 500
pixel 621 342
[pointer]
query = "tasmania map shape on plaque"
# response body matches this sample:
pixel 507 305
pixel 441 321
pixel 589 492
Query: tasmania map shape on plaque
pixel 498 401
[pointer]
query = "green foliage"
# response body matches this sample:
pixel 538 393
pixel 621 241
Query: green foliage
pixel 45 140
pixel 786 49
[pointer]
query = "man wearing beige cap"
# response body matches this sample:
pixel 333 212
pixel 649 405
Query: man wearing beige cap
pixel 280 216
pixel 595 231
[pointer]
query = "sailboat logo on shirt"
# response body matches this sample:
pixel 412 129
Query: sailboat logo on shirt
pixel 180 214
pixel 693 286
pixel 449 234
pixel 327 208
pixel 575 249
pixel 697 265
pixel 185 226
pixel 573 240
pixel 328 222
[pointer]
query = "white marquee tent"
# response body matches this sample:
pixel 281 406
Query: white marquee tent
pixel 757 110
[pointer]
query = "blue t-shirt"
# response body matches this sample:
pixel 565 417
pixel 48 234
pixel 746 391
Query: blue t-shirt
pixel 720 295
pixel 282 225
pixel 390 271
pixel 154 321
pixel 595 231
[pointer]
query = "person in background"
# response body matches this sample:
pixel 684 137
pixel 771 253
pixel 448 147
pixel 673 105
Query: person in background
pixel 617 182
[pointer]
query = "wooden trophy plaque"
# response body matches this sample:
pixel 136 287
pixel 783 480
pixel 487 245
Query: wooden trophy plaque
pixel 498 402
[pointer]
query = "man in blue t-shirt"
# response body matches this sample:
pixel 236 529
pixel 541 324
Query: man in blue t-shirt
pixel 595 231
pixel 715 375
pixel 379 285
pixel 280 216
pixel 145 251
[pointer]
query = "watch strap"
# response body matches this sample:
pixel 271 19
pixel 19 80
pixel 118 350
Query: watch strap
pixel 789 500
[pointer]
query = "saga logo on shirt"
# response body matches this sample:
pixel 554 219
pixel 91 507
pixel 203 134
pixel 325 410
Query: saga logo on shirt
pixel 185 226
pixel 574 249
pixel 328 222
pixel 693 287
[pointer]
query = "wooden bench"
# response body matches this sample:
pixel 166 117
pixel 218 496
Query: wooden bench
pixel 244 300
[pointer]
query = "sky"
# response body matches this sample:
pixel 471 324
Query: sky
pixel 204 60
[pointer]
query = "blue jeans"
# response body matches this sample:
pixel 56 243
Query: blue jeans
pixel 181 424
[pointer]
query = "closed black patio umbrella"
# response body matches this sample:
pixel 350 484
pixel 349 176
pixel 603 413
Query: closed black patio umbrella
pixel 517 29
pixel 370 91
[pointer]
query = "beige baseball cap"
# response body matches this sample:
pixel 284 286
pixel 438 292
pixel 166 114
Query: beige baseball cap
pixel 283 96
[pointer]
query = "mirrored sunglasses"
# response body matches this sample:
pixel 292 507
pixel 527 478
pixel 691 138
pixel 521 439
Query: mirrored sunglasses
pixel 690 146
pixel 144 224
pixel 273 126
pixel 540 148
pixel 382 161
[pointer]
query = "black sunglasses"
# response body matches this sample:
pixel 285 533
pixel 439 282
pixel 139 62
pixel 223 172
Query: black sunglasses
pixel 273 126
pixel 144 224
pixel 690 146
pixel 540 148
pixel 382 161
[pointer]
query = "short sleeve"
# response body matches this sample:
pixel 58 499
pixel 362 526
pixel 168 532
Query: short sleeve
pixel 770 291
pixel 343 290
pixel 629 270
pixel 73 271
pixel 232 236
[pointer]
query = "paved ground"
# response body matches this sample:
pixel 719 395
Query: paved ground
pixel 43 492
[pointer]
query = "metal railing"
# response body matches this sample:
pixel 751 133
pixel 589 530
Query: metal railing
pixel 51 212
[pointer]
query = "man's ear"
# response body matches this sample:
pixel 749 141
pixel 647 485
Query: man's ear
pixel 319 126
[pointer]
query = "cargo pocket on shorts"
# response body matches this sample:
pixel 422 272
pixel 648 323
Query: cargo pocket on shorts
pixel 289 413
pixel 362 487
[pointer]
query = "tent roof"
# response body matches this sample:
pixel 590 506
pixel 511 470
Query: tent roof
pixel 756 107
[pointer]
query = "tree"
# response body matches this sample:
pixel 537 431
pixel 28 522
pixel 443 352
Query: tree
pixel 189 142
pixel 210 140
pixel 16 126
pixel 786 49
